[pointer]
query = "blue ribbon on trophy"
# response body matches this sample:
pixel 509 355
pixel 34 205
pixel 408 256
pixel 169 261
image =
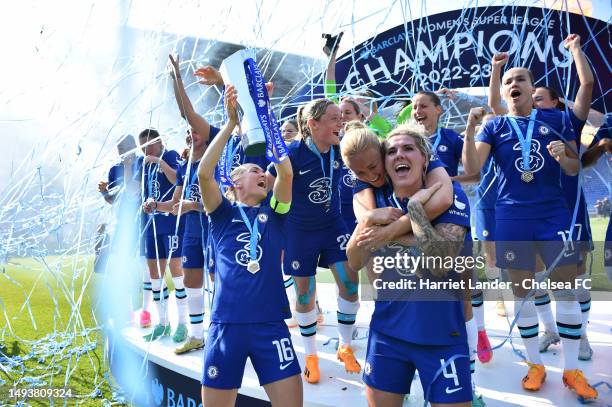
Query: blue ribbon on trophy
pixel 267 119
pixel 259 126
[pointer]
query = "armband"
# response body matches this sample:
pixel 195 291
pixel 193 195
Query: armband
pixel 279 207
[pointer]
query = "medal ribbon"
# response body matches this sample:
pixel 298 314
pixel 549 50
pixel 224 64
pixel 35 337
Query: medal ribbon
pixel 525 140
pixel 254 230
pixel 437 141
pixel 397 203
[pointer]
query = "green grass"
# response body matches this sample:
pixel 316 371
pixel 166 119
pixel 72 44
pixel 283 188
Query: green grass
pixel 38 300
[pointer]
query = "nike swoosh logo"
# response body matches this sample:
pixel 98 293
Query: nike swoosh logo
pixel 449 391
pixel 504 135
pixel 285 366
pixel 236 220
pixel 303 172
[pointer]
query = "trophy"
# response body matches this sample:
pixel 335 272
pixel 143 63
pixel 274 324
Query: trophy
pixel 233 71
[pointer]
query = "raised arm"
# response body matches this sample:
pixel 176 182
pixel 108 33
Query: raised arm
pixel 331 50
pixel 284 181
pixel 168 171
pixel 582 103
pixel 197 122
pixel 497 64
pixel 474 154
pixel 211 195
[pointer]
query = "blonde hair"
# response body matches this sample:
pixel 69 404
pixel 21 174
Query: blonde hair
pixel 357 138
pixel 230 192
pixel 418 133
pixel 314 109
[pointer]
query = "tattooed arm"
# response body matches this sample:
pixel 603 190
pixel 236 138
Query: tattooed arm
pixel 445 239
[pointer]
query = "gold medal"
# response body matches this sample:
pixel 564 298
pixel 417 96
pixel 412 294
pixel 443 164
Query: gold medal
pixel 253 266
pixel 527 176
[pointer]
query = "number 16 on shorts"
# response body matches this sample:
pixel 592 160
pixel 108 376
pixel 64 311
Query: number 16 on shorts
pixel 285 352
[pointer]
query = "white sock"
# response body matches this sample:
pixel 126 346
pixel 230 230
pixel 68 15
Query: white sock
pixel 543 306
pixel 147 291
pixel 181 299
pixel 478 310
pixel 569 325
pixel 528 326
pixel 347 314
pixel 160 298
pixel 584 299
pixel 308 328
pixel 195 305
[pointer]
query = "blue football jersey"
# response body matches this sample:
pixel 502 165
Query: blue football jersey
pixel 486 192
pixel 347 184
pixel 605 131
pixel 155 185
pixel 543 196
pixel 116 187
pixel 316 199
pixel 196 223
pixel 115 177
pixel 409 316
pixel 448 149
pixel 572 193
pixel 241 296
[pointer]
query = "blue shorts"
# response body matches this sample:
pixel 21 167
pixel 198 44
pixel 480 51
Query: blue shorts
pixel 267 344
pixel 519 240
pixel 391 363
pixel 583 239
pixel 307 249
pixel 485 224
pixel 193 253
pixel 168 246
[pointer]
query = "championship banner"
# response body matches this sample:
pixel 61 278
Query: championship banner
pixel 454 50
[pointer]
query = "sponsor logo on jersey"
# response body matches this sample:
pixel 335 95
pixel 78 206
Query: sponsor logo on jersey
pixel 536 160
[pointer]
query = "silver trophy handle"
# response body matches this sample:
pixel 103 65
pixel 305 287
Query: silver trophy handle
pixel 232 71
